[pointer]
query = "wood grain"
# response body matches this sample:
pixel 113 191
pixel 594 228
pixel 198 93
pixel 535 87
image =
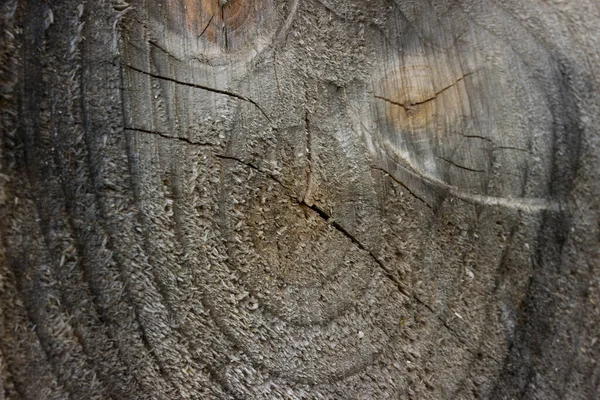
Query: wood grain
pixel 302 200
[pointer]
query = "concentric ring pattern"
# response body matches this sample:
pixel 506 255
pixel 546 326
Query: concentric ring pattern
pixel 274 199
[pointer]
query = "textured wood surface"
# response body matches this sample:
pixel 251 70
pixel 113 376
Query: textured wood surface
pixel 319 199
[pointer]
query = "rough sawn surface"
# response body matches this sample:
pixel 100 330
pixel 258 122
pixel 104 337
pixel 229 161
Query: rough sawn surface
pixel 317 199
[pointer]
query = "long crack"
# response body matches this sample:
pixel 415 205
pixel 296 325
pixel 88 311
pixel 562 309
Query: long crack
pixel 413 194
pixel 206 27
pixel 409 105
pixel 165 51
pixel 334 224
pixel 309 160
pixel 460 166
pixel 202 87
pixel 341 229
pixel 476 137
pixel 164 135
pixel 399 285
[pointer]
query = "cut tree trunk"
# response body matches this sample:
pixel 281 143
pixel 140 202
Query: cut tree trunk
pixel 318 199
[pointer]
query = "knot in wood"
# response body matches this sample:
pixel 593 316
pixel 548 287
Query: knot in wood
pixel 221 25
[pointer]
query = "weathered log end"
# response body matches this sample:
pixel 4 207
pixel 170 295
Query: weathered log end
pixel 320 199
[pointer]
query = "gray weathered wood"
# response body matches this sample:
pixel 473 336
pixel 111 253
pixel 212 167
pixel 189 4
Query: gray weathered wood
pixel 300 199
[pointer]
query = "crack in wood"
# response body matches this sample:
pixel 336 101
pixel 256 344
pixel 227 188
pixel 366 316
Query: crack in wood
pixel 165 136
pixel 202 87
pixel 386 271
pixel 475 137
pixel 256 168
pixel 404 186
pixel 527 204
pixel 460 166
pixel 354 240
pixel 409 106
pixel 159 47
pixel 326 217
pixel 206 27
pixel 309 160
pixel 337 226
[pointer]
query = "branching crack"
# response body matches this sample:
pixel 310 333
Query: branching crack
pixel 410 106
pixel 404 186
pixel 202 87
pixel 164 135
pixel 460 166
